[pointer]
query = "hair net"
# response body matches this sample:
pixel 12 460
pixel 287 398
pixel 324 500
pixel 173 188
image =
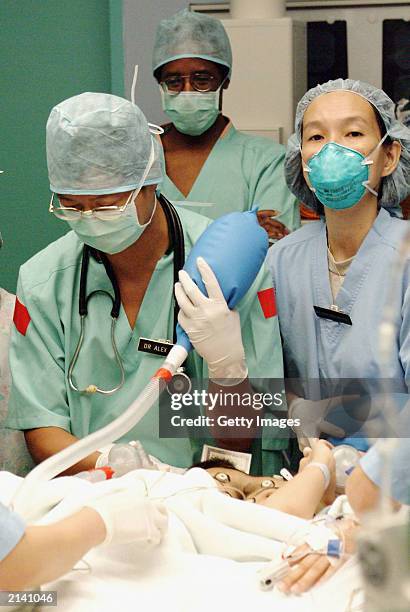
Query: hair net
pixel 97 144
pixel 403 111
pixel 394 187
pixel 190 34
pixel 155 174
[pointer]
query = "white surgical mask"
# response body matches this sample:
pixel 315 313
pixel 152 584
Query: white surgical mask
pixel 117 234
pixel 191 112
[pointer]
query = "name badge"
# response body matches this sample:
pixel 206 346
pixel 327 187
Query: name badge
pixel 154 347
pixel 333 315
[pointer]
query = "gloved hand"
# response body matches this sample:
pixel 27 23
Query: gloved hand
pixel 312 417
pixel 213 329
pixel 360 417
pixel 130 518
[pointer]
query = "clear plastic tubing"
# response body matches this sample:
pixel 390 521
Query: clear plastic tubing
pixel 74 453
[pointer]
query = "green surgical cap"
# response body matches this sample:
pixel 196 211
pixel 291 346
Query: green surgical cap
pixel 190 34
pixel 98 144
pixel 394 187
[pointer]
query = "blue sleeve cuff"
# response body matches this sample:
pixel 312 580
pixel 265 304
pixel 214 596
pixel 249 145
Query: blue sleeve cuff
pixel 372 465
pixel 12 529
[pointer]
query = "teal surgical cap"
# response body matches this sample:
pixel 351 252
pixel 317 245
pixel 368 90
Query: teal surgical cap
pixel 98 144
pixel 190 34
pixel 394 187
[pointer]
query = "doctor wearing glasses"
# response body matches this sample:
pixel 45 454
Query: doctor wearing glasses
pixel 92 306
pixel 208 163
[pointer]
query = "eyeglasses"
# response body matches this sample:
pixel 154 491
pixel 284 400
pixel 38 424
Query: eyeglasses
pixel 200 81
pixel 104 213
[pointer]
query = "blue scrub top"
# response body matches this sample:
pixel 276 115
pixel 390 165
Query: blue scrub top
pixel 12 529
pixel 372 462
pixel 317 349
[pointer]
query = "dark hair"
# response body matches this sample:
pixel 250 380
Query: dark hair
pixel 382 127
pixel 211 463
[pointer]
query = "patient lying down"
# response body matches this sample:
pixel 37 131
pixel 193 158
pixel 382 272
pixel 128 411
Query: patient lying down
pixel 302 497
pixel 313 485
pixel 202 520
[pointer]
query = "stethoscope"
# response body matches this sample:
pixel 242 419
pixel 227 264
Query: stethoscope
pixel 177 244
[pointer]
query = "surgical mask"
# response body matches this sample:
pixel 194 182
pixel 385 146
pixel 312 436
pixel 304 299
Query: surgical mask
pixel 192 112
pixel 117 234
pixel 339 176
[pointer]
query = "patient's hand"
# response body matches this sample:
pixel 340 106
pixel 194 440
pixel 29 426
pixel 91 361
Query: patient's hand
pixel 314 568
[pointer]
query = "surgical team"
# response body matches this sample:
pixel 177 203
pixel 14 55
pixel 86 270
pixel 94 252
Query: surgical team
pixel 123 186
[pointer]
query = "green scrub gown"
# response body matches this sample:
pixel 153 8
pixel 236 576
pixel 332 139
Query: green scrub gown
pixel 240 171
pixel 41 351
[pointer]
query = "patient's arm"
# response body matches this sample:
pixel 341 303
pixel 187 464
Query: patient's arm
pixel 301 496
pixel 46 441
pixel 46 552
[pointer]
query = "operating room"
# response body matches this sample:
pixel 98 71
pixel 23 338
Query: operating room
pixel 205 305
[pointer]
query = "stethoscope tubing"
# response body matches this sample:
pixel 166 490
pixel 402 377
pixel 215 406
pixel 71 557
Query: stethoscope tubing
pixel 176 234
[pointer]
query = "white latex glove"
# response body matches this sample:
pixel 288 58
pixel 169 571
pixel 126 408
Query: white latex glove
pixel 130 518
pixel 312 417
pixel 213 329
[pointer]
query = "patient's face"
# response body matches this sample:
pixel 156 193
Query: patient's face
pixel 256 489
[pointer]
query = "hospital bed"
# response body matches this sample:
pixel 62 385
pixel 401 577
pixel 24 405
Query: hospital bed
pixel 207 561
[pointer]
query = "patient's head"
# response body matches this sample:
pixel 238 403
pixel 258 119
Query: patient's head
pixel 238 484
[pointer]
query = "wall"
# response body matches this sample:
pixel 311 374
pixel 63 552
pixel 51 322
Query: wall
pixel 50 50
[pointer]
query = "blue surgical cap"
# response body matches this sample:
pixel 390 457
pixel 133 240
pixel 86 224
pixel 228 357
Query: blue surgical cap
pixel 395 187
pixel 98 144
pixel 191 34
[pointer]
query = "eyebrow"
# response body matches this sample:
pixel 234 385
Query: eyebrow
pixel 65 197
pixel 179 72
pixel 344 120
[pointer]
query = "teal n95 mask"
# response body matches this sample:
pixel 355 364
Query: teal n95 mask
pixel 192 113
pixel 117 234
pixel 339 176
